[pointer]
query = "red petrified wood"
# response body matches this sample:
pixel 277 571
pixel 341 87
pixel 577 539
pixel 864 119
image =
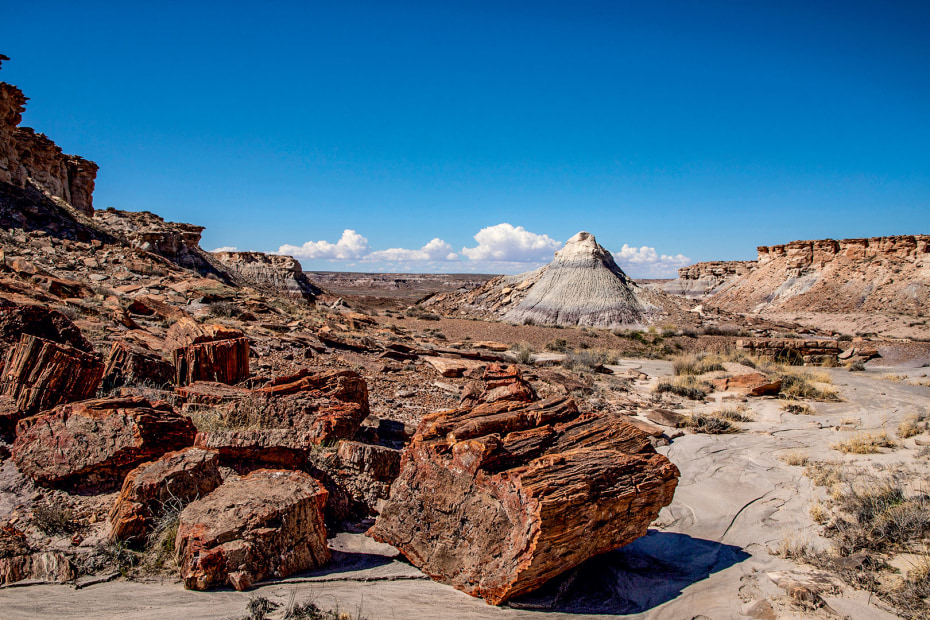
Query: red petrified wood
pixel 496 500
pixel 266 524
pixel 91 445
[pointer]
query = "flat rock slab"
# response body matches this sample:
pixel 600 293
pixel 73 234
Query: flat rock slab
pixel 451 367
pixel 267 524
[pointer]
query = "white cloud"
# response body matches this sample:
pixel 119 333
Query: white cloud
pixel 351 246
pixel 226 248
pixel 645 262
pixel 504 242
pixel 435 250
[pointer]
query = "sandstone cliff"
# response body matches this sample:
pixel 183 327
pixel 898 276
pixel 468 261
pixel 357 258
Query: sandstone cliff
pixel 30 158
pixel 282 273
pixel 888 275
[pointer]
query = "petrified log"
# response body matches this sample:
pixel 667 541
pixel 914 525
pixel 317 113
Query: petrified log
pixel 502 383
pixel 186 331
pixel 508 495
pixel 39 374
pixel 130 363
pixel 91 445
pixel 266 524
pixel 225 361
pixel 363 472
pixel 16 320
pixel 169 483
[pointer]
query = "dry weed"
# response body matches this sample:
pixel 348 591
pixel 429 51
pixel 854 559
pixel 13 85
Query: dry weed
pixel 825 473
pixel 795 458
pixel 865 443
pixel 798 408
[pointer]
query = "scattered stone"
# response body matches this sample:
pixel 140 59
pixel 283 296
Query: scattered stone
pixel 266 524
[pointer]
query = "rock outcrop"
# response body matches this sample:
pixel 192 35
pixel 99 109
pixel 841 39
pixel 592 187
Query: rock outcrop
pixel 707 278
pixel 878 274
pixel 91 445
pixel 582 286
pixel 792 350
pixel 20 561
pixel 168 484
pixel 266 524
pixel 508 495
pixel 27 157
pixel 45 323
pixel 363 472
pixel 282 273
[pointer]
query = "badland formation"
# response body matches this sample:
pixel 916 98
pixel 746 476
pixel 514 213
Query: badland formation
pixel 565 440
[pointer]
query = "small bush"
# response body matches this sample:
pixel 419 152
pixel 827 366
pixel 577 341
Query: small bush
pixel 415 312
pixel 722 330
pixel 795 458
pixel 865 443
pixel 695 364
pixel 225 309
pixel 731 414
pixel 856 366
pixel 558 345
pixel 686 386
pixel 587 359
pixel 57 519
pixel 825 473
pixel 912 425
pixel 798 408
pixel 523 352
pixel 818 513
pixel 800 384
pixel 712 424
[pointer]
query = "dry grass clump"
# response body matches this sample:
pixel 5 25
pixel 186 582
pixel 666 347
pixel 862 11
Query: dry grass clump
pixel 686 385
pixel 798 408
pixel 712 424
pixel 588 359
pixel 559 345
pixel 857 366
pixel 881 516
pixel 52 519
pixel 695 364
pixel 799 384
pixel 895 378
pixel 819 513
pixel 415 312
pixel 249 413
pixel 795 458
pixel 913 425
pixel 865 443
pixel 825 473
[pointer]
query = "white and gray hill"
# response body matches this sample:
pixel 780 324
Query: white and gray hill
pixel 583 285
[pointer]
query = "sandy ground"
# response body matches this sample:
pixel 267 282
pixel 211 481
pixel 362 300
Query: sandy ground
pixel 707 556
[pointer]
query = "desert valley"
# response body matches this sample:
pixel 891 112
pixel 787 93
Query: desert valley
pixel 197 434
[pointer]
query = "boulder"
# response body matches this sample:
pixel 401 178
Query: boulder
pixel 39 374
pixel 451 366
pixel 40 321
pixel 224 361
pixel 91 445
pixel 130 363
pixel 508 495
pixel 266 524
pixel 154 488
pixel 362 471
pixel 753 384
pixel 667 418
pixel 186 331
pixel 20 561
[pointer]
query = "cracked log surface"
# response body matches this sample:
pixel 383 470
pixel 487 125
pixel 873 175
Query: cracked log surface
pixel 508 495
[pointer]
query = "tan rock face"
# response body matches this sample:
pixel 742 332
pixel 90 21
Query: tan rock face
pixel 267 524
pixel 176 479
pixel 508 495
pixel 282 273
pixel 27 156
pixel 91 445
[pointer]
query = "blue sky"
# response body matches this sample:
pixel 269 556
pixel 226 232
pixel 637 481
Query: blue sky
pixel 695 130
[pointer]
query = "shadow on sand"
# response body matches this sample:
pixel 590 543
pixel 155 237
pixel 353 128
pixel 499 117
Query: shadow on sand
pixel 646 573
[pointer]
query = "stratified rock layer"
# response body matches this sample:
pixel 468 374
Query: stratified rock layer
pixel 496 500
pixel 91 445
pixel 282 273
pixel 266 524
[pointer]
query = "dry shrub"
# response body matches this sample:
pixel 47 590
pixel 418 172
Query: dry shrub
pixel 686 385
pixel 825 473
pixel 895 378
pixel 865 443
pixel 882 516
pixel 712 424
pixel 523 352
pixel 795 458
pixel 799 384
pixel 798 408
pixel 587 359
pixel 734 414
pixel 53 519
pixel 913 425
pixel 692 364
pixel 819 513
